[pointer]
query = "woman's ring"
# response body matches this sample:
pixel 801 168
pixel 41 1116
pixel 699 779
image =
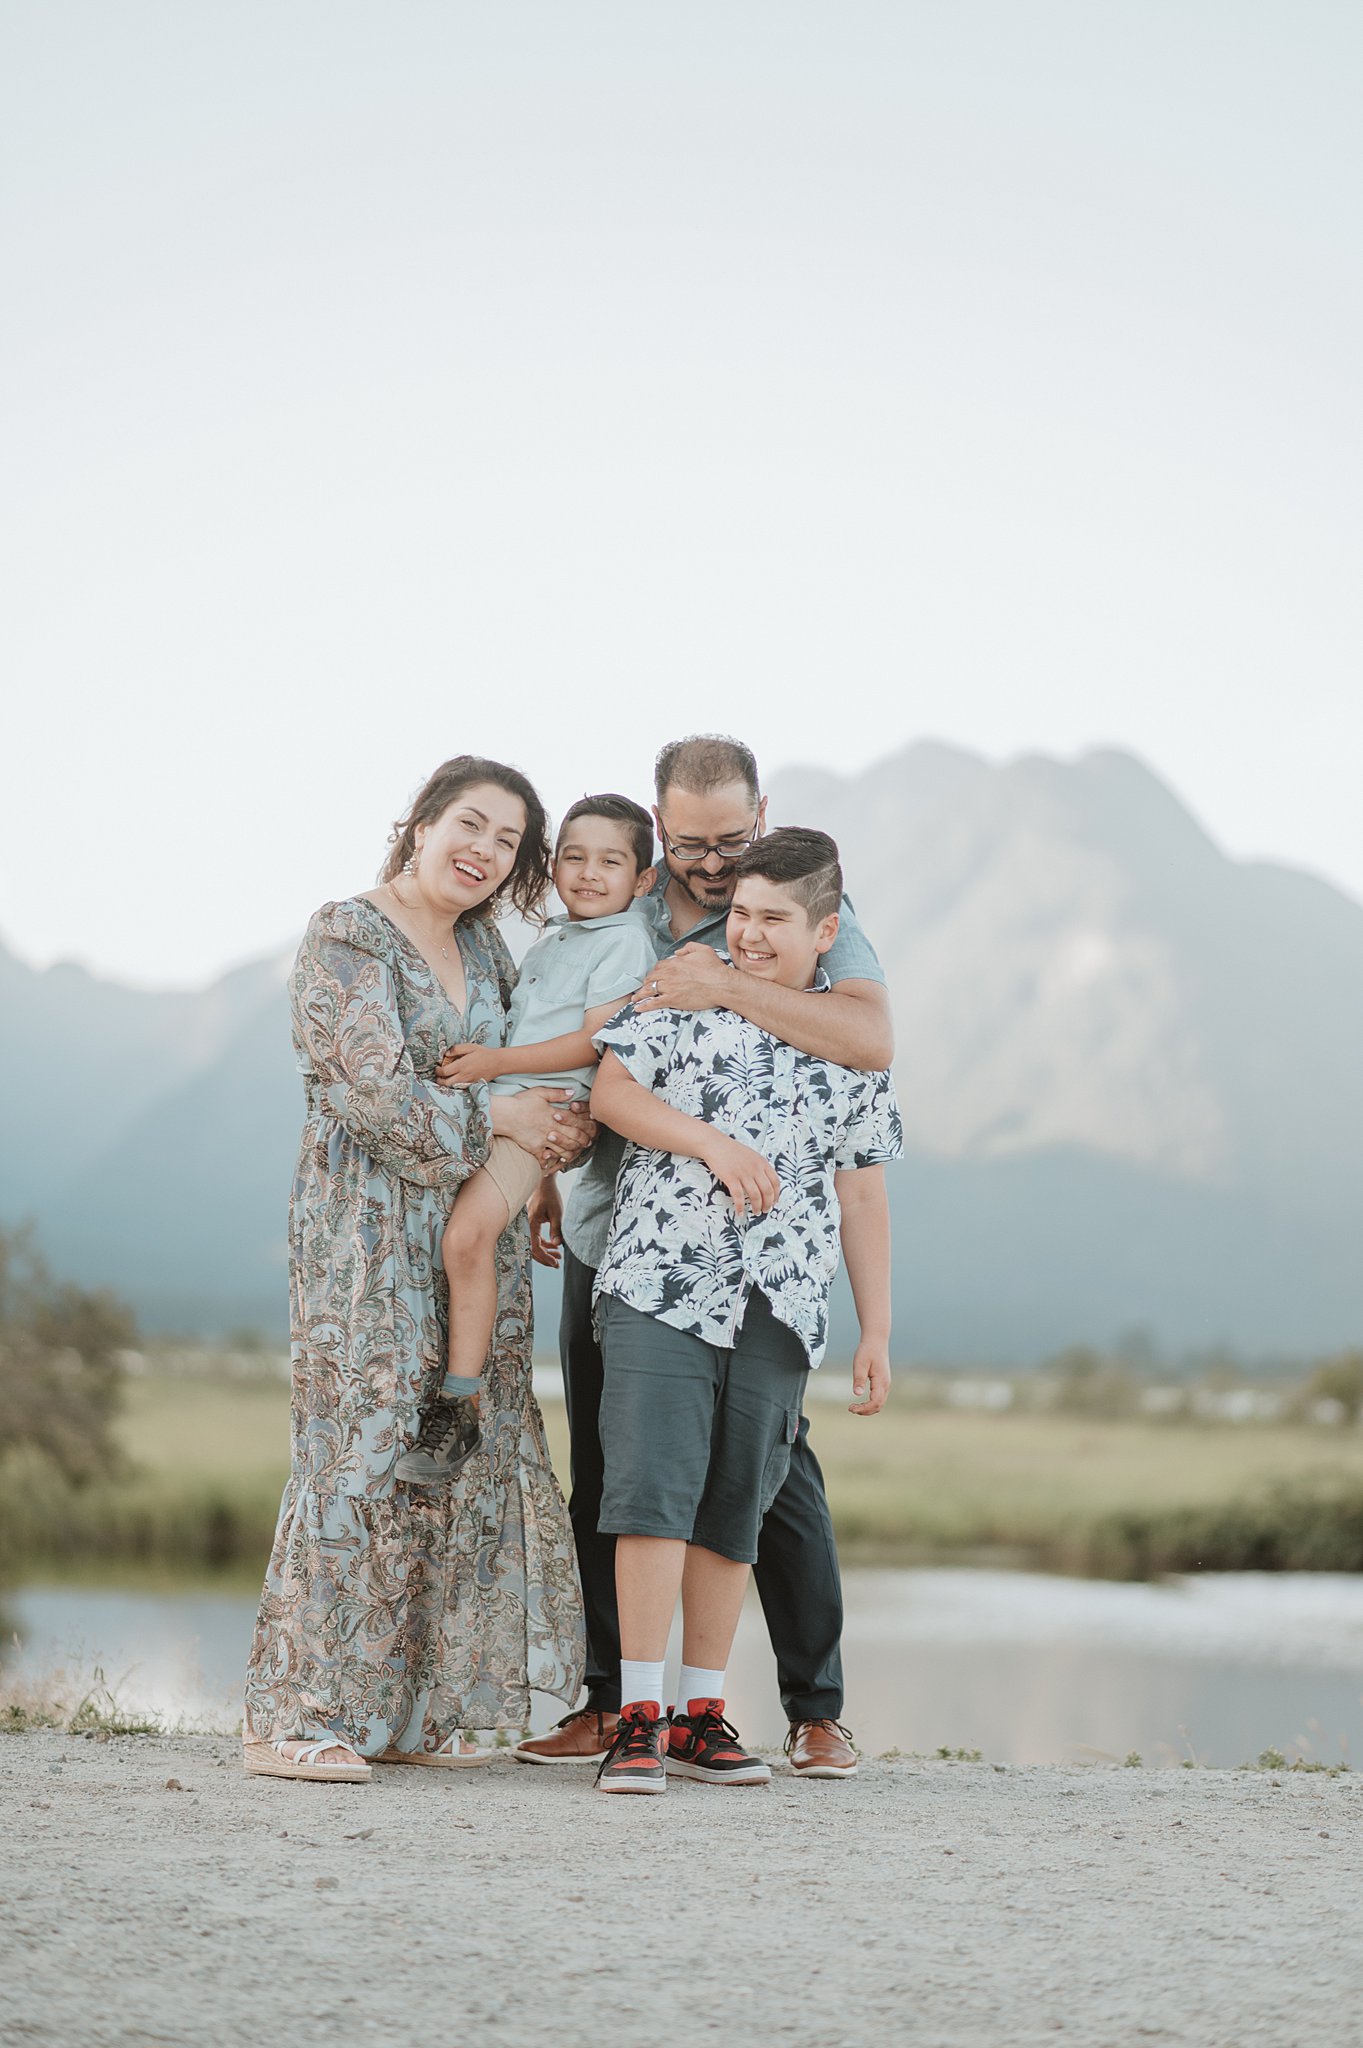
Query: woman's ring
pixel 655 988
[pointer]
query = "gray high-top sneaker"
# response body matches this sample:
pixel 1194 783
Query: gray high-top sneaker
pixel 449 1437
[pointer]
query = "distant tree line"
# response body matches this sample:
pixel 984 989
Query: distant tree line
pixel 61 1370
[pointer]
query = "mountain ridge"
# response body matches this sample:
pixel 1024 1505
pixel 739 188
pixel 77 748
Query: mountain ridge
pixel 1126 1066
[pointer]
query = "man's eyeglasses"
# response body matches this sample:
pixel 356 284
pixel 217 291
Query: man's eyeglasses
pixel 695 850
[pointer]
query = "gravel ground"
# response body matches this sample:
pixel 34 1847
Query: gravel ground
pixel 151 1893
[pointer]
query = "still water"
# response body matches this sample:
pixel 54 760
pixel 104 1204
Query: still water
pixel 1025 1668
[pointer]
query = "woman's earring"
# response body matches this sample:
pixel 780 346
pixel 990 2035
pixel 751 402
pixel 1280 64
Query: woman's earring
pixel 409 865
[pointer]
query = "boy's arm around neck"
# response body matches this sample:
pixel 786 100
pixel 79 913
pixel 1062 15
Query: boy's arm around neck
pixel 866 1249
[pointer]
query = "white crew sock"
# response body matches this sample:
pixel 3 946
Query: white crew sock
pixel 641 1681
pixel 695 1684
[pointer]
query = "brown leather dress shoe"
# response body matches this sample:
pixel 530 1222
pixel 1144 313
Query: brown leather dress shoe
pixel 821 1749
pixel 580 1738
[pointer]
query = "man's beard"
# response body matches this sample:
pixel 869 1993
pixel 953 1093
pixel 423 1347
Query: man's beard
pixel 724 879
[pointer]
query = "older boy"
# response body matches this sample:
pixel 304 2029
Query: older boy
pixel 712 1298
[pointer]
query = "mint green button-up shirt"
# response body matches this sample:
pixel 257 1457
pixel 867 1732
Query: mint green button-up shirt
pixel 575 966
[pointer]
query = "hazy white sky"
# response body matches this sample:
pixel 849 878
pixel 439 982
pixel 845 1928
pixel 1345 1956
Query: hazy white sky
pixel 382 382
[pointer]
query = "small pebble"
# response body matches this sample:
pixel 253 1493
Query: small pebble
pixel 174 1785
pixel 327 1884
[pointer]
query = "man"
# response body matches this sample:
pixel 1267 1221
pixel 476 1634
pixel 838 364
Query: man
pixel 709 810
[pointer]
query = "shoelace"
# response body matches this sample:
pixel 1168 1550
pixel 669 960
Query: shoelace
pixel 580 1714
pixel 634 1737
pixel 825 1721
pixel 448 1423
pixel 709 1726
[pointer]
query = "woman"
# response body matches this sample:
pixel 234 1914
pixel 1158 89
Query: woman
pixel 392 1621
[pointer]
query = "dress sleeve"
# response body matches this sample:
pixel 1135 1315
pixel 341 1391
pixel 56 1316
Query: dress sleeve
pixel 505 971
pixel 346 1016
pixel 873 1132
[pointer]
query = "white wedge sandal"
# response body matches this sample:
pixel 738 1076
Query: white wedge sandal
pixel 269 1760
pixel 454 1754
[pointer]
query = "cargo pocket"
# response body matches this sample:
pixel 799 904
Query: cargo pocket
pixel 777 1467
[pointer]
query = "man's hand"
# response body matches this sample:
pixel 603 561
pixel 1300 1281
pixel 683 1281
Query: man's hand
pixel 544 1213
pixel 692 978
pixel 464 1064
pixel 749 1177
pixel 870 1378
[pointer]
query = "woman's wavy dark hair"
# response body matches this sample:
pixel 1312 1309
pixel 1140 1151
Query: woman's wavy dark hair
pixel 526 887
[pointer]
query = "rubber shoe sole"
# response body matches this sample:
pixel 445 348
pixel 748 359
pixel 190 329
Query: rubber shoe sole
pixel 530 1756
pixel 749 1774
pixel 631 1785
pixel 414 1468
pixel 824 1771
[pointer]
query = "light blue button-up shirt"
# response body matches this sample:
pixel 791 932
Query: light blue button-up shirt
pixel 577 964
pixel 586 1225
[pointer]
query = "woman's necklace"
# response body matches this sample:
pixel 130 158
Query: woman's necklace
pixel 408 907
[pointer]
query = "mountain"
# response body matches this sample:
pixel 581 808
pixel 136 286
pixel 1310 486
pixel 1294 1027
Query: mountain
pixel 1073 963
pixel 85 1057
pixel 1126 1065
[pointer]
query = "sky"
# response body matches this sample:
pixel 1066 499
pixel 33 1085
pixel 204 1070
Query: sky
pixel 547 381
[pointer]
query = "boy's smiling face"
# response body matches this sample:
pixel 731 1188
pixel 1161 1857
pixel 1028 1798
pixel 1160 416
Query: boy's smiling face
pixel 595 871
pixel 769 933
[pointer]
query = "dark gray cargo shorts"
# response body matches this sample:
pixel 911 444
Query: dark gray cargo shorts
pixel 696 1438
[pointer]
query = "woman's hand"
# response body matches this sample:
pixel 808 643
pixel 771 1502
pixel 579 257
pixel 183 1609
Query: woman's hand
pixel 464 1064
pixel 870 1378
pixel 545 1122
pixel 749 1177
pixel 544 1213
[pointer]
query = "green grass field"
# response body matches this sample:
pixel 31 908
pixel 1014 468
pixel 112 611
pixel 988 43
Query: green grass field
pixel 207 1462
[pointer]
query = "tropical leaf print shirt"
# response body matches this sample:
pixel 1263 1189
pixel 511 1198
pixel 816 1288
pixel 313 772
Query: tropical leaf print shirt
pixel 677 1249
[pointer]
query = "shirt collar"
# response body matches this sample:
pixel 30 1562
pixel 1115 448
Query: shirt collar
pixel 657 896
pixel 636 913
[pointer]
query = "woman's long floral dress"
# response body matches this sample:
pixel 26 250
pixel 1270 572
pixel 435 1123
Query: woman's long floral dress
pixel 395 1616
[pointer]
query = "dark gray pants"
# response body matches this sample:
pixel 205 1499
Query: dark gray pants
pixel 797 1562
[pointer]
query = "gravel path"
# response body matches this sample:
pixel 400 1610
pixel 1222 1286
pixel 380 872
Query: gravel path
pixel 150 1893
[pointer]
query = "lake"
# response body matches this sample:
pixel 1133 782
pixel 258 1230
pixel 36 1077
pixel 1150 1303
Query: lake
pixel 1025 1668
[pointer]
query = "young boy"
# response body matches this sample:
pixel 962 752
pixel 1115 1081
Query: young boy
pixel 712 1299
pixel 572 980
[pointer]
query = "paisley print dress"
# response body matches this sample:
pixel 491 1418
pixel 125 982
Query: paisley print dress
pixel 395 1616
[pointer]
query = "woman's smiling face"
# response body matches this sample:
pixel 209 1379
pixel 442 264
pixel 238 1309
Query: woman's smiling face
pixel 469 850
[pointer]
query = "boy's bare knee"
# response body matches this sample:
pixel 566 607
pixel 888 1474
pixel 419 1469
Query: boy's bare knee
pixel 466 1242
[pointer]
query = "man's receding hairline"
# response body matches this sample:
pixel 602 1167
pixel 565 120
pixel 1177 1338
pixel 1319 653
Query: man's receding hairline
pixel 704 764
pixel 675 788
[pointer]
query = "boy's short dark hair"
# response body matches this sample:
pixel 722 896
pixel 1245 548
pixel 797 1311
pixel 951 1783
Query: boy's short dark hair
pixel 621 810
pixel 703 763
pixel 803 861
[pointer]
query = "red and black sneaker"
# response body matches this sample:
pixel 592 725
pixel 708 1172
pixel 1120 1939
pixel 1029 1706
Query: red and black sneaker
pixel 634 1761
pixel 702 1744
